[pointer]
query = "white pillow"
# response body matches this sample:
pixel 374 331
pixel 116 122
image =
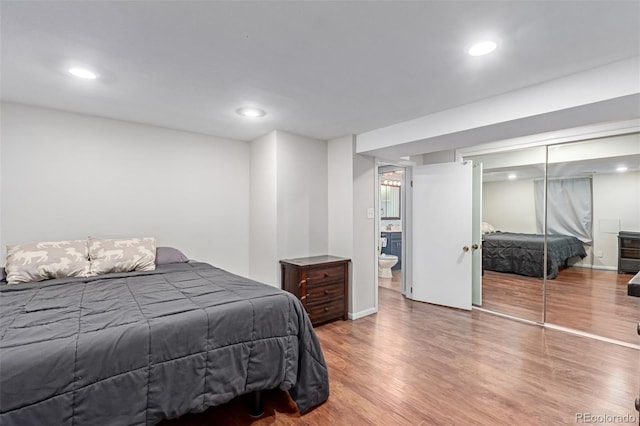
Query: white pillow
pixel 122 255
pixel 487 228
pixel 45 260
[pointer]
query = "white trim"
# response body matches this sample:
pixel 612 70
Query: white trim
pixel 552 138
pixel 361 314
pixel 599 267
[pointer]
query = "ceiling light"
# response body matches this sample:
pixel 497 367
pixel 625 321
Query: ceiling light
pixel 83 73
pixel 482 48
pixel 251 112
pixel 512 176
pixel 622 169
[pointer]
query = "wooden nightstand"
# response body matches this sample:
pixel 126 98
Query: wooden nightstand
pixel 322 285
pixel 628 252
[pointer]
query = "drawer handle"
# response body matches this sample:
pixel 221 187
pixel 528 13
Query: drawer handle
pixel 326 292
pixel 301 282
pixel 326 309
pixel 326 274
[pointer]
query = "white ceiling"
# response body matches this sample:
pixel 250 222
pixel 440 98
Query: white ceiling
pixel 320 69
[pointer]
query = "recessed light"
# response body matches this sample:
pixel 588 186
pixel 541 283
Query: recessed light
pixel 482 48
pixel 512 176
pixel 622 169
pixel 83 73
pixel 251 112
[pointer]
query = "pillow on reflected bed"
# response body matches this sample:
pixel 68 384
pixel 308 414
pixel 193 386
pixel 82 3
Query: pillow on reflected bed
pixel 166 255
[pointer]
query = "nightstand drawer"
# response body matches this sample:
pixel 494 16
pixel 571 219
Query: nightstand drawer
pixel 322 276
pixel 324 293
pixel 326 311
pixel 631 243
pixel 630 265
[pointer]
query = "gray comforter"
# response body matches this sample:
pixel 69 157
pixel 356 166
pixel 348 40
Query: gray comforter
pixel 524 253
pixel 136 348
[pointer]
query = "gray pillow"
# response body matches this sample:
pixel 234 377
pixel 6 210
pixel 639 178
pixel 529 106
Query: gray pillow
pixel 166 255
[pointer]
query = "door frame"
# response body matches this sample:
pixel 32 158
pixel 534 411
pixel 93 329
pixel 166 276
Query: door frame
pixel 405 204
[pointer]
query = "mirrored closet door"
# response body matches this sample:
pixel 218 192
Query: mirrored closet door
pixel 593 198
pixel 560 224
pixel 512 245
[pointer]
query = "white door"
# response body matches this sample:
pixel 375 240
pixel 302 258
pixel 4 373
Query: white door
pixel 442 234
pixel 476 227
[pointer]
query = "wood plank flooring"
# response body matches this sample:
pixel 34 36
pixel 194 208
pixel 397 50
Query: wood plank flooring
pixel 393 283
pixel 418 364
pixel 589 300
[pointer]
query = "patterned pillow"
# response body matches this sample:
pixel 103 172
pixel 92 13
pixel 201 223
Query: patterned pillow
pixel 122 255
pixel 46 260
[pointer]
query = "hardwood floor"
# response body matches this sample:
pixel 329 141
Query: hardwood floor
pixel 418 364
pixel 394 283
pixel 589 300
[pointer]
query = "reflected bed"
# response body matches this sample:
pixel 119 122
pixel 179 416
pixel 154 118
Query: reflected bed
pixel 523 254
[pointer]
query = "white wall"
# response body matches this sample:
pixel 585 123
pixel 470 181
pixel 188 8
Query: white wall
pixel 289 192
pixel 616 199
pixel 263 211
pixel 446 156
pixel 509 206
pixel 302 195
pixel 67 175
pixel 340 196
pixel 362 297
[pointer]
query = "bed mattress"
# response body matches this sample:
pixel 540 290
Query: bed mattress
pixel 136 348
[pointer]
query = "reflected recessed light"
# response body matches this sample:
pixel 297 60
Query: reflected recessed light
pixel 251 112
pixel 622 169
pixel 482 48
pixel 512 176
pixel 83 73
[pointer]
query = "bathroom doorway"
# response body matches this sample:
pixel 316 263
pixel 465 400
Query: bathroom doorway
pixel 391 227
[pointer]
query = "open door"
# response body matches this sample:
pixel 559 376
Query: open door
pixel 442 234
pixel 476 227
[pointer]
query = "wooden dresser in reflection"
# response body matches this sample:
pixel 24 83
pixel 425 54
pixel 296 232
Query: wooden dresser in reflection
pixel 322 285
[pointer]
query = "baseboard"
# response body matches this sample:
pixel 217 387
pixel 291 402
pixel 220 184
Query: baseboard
pixel 361 314
pixel 601 267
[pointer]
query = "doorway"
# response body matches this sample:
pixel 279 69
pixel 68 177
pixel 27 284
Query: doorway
pixel 390 229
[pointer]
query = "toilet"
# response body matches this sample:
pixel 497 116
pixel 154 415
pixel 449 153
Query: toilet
pixel 385 261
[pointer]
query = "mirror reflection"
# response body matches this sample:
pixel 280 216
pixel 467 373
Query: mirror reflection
pixel 593 194
pixel 577 205
pixel 389 199
pixel 512 244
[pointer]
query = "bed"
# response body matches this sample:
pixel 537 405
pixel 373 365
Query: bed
pixel 523 254
pixel 135 348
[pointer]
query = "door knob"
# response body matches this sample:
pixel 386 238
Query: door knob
pixel 474 247
pixel 465 249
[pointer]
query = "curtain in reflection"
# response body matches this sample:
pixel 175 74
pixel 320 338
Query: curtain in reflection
pixel 569 207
